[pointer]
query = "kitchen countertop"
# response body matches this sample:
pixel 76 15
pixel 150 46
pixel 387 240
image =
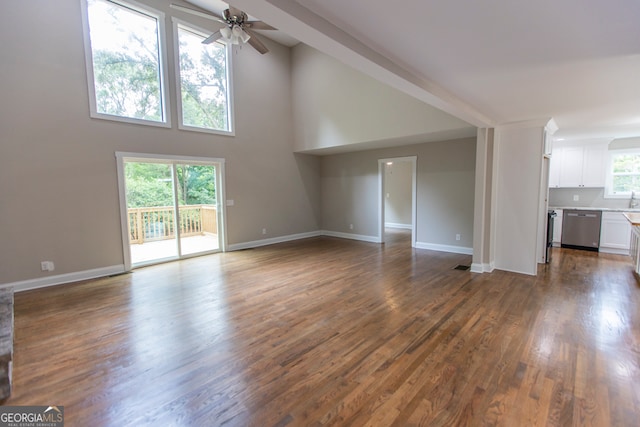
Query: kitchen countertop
pixel 633 217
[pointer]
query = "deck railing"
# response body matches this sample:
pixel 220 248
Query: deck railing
pixel 158 223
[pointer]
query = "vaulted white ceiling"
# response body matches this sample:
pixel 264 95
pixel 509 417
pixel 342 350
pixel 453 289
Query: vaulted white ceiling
pixel 487 62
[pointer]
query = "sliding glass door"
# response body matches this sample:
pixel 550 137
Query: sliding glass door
pixel 197 208
pixel 171 207
pixel 151 211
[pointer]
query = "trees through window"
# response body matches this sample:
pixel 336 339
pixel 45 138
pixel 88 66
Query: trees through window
pixel 203 81
pixel 126 69
pixel 624 172
pixel 125 59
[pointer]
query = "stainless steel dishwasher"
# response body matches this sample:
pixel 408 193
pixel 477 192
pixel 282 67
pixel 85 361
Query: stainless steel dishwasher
pixel 581 229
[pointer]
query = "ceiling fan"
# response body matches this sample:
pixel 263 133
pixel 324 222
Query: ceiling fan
pixel 238 29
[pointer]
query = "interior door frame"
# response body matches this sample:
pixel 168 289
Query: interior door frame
pixel 543 209
pixel 414 195
pixel 122 157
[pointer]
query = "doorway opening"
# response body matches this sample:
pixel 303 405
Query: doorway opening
pixel 397 204
pixel 170 207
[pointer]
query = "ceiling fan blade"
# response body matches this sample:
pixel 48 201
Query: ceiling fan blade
pixel 213 37
pixel 201 13
pixel 255 42
pixel 258 25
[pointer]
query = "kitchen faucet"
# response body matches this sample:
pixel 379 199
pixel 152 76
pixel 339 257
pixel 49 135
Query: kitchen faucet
pixel 633 202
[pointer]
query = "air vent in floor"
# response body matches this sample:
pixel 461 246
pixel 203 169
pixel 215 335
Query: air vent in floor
pixel 461 267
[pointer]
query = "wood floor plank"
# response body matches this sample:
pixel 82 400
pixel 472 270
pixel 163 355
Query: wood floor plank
pixel 332 332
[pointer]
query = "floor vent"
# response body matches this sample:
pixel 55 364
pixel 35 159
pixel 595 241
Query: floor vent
pixel 461 267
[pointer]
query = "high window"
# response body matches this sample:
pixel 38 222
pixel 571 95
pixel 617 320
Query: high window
pixel 203 82
pixel 623 173
pixel 125 63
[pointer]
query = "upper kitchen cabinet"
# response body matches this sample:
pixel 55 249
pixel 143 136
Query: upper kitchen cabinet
pixel 594 165
pixel 578 165
pixel 554 167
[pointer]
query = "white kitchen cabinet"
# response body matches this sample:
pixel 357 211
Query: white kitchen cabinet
pixel 557 228
pixel 579 166
pixel 615 233
pixel 554 167
pixel 595 164
pixel 571 168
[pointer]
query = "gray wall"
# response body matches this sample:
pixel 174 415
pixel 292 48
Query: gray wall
pixel 397 190
pixel 335 105
pixel 445 187
pixel 58 183
pixel 58 186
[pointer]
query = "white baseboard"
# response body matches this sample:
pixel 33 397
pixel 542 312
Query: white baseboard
pixel 272 241
pixel 351 236
pixel 60 279
pixel 481 268
pixel 396 225
pixel 616 251
pixel 527 273
pixel 445 248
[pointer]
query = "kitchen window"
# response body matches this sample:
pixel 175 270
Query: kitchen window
pixel 125 62
pixel 623 173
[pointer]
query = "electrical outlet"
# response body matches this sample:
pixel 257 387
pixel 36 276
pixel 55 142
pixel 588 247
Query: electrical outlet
pixel 457 237
pixel 576 197
pixel 47 266
pixel 350 226
pixel 264 231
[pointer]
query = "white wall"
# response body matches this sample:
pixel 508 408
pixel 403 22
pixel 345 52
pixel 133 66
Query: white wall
pixel 516 186
pixel 58 185
pixel 482 261
pixel 337 106
pixel 445 191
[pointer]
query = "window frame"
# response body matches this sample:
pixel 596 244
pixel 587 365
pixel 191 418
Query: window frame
pixel 609 193
pixel 165 100
pixel 188 26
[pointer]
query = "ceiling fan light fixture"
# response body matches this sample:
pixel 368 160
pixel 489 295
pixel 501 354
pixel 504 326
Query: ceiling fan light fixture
pixel 245 36
pixel 233 31
pixel 234 34
pixel 226 33
pixel 240 34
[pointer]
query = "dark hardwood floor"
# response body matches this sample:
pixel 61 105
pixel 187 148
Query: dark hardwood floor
pixel 327 331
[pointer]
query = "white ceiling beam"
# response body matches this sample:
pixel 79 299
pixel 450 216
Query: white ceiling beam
pixel 299 22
